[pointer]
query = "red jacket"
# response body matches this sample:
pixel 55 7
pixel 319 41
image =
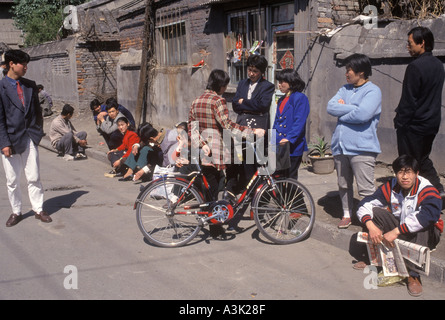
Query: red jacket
pixel 130 138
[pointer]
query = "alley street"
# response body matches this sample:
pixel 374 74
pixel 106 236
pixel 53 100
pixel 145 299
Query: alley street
pixel 93 249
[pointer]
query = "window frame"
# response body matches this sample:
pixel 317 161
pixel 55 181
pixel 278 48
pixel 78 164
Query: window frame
pixel 172 51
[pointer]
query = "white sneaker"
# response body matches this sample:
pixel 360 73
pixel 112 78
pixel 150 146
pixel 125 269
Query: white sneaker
pixel 68 157
pixel 80 156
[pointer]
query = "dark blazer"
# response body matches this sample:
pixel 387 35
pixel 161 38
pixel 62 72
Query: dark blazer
pixel 17 122
pixel 419 109
pixel 257 107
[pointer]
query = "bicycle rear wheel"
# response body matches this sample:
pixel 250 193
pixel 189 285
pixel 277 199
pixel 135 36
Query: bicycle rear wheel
pixel 285 214
pixel 161 215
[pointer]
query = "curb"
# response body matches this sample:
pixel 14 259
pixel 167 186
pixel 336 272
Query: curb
pixel 322 231
pixel 345 239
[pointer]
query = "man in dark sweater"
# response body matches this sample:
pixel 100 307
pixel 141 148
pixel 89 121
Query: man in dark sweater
pixel 418 114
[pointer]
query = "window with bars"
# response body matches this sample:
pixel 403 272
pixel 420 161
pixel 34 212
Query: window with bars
pixel 172 44
pixel 246 35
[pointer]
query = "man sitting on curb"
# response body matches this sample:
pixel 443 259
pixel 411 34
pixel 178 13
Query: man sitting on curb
pixel 64 138
pixel 107 126
pixel 408 208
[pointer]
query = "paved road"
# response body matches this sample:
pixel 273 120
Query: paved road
pixel 94 250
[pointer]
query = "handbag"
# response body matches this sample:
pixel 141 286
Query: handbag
pixel 283 156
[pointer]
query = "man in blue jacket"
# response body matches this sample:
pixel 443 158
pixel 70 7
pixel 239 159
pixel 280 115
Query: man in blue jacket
pixel 21 129
pixel 419 111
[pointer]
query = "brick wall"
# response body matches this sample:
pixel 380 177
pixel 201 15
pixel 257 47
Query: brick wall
pixel 96 71
pixel 336 12
pixel 131 31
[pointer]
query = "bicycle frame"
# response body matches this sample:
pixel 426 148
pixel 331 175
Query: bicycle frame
pixel 253 186
pixel 172 209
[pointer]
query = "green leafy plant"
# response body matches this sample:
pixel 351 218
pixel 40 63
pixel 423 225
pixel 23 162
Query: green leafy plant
pixel 321 147
pixel 40 20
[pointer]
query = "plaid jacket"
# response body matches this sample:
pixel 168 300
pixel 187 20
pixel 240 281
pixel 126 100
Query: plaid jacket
pixel 209 123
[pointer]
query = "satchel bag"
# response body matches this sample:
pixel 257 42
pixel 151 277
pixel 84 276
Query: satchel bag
pixel 283 156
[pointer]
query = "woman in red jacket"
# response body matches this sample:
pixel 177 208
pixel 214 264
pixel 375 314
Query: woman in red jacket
pixel 118 156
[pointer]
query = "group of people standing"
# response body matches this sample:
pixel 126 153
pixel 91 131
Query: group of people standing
pixel 358 105
pixel 409 206
pixel 355 145
pixel 209 114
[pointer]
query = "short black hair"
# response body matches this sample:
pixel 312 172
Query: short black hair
pixel 258 62
pixel 146 131
pixel 423 34
pixel 94 103
pixel 67 109
pixel 405 161
pixel 292 77
pixel 111 100
pixel 217 80
pixel 358 62
pixel 123 119
pixel 16 56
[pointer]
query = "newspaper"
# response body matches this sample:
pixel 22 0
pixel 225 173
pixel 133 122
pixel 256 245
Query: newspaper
pixel 416 254
pixel 392 259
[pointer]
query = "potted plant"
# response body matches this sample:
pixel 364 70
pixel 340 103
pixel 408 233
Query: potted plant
pixel 322 161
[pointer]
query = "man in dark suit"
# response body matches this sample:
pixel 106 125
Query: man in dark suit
pixel 254 95
pixel 252 103
pixel 418 114
pixel 21 129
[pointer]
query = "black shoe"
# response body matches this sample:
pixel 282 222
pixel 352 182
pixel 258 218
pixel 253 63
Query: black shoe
pixel 129 178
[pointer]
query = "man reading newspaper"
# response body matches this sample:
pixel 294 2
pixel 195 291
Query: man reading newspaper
pixel 407 208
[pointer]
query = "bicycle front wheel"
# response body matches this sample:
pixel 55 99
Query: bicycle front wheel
pixel 162 216
pixel 284 214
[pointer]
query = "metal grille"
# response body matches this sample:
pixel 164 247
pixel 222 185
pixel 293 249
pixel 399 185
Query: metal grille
pixel 172 42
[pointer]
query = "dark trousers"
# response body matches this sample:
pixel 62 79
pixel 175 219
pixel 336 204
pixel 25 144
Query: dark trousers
pixel 419 147
pixel 113 140
pixel 292 172
pixel 213 177
pixel 113 157
pixel 386 222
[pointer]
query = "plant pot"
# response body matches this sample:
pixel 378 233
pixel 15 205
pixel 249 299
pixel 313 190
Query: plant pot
pixel 321 165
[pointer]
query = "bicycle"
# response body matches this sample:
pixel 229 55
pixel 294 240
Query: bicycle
pixel 172 209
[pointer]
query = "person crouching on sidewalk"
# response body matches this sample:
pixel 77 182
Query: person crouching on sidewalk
pixel 408 208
